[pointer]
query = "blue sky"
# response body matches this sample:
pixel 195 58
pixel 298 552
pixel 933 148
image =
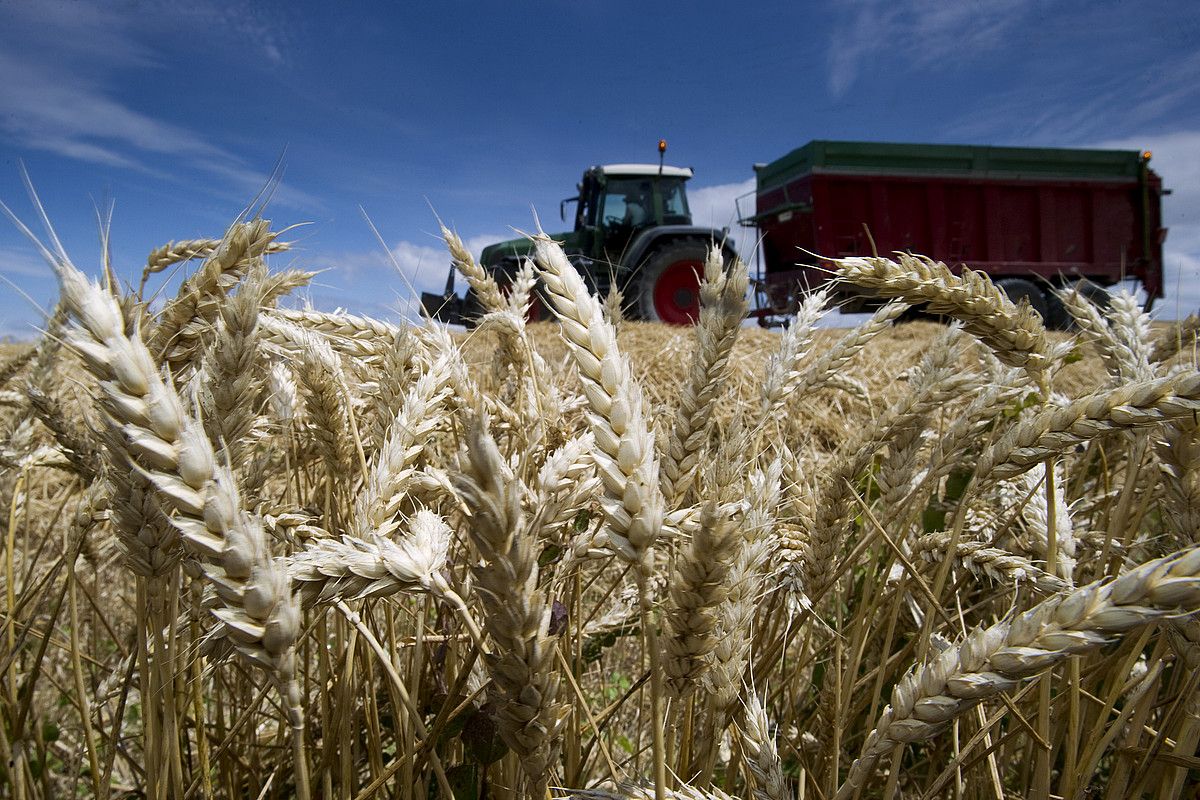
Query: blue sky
pixel 485 112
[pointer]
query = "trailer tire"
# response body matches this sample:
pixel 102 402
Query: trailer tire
pixel 1017 288
pixel 667 288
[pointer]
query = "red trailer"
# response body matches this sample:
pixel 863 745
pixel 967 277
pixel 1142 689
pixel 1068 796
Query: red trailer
pixel 1031 218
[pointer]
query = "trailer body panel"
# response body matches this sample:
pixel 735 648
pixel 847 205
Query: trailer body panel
pixel 1052 214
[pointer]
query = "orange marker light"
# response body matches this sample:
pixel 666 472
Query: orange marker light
pixel 1146 154
pixel 662 145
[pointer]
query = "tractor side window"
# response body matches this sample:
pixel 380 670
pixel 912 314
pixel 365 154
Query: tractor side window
pixel 675 208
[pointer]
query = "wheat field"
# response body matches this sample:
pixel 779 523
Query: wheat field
pixel 253 550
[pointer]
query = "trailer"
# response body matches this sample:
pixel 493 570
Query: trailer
pixel 1033 219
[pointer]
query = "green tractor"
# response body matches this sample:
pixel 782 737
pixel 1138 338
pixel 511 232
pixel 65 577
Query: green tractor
pixel 632 228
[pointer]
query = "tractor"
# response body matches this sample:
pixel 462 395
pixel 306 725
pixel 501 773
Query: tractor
pixel 633 229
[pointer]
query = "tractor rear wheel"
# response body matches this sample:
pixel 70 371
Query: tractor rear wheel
pixel 668 285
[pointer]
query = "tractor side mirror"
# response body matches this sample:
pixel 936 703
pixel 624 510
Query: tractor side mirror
pixel 562 207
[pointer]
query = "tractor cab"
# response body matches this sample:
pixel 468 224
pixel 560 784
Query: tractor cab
pixel 617 201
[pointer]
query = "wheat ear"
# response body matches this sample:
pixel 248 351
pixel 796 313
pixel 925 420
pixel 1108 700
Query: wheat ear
pixel 422 410
pixel 625 455
pixel 177 337
pixel 762 757
pixel 827 368
pixel 981 558
pixel 1056 429
pixel 258 610
pixel 516 615
pixel 995 659
pixel 483 284
pixel 233 370
pixel 353 568
pixel 723 307
pixel 697 587
pixel 1179 337
pixel 645 791
pixel 1014 333
pixel 783 366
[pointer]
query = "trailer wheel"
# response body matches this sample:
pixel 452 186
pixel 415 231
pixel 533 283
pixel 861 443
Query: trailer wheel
pixel 668 285
pixel 1017 288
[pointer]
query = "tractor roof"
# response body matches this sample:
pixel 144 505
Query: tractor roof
pixel 644 169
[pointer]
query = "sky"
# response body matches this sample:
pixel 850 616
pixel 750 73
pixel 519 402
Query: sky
pixel 485 115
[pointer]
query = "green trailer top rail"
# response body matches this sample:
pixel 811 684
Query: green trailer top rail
pixel 979 161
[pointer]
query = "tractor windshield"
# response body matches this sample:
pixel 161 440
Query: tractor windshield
pixel 629 202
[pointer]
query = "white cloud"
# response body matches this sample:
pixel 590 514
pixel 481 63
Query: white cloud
pixel 367 282
pixel 1176 159
pixel 63 66
pixel 866 31
pixel 718 207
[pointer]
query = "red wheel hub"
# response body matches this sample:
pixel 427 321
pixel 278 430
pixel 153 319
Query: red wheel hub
pixel 677 292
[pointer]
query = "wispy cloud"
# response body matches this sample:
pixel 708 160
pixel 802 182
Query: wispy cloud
pixel 1095 105
pixel 866 33
pixel 63 68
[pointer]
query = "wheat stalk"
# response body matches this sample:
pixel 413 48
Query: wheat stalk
pixel 625 454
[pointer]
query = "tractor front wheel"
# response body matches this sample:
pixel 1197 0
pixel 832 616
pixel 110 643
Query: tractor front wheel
pixel 668 285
